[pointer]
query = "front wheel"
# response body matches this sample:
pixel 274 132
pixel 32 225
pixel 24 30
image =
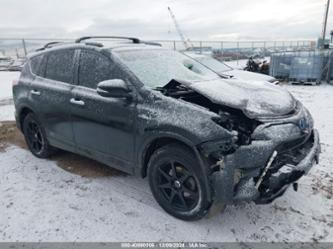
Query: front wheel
pixel 176 182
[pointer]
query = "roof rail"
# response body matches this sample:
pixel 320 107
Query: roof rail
pixel 47 45
pixel 151 43
pixel 96 44
pixel 134 40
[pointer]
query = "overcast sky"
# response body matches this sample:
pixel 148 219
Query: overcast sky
pixel 149 19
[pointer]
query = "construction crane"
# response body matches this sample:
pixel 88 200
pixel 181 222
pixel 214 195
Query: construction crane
pixel 327 7
pixel 187 43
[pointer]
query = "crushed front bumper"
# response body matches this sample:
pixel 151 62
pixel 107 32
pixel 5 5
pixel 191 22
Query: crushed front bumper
pixel 274 182
pixel 277 183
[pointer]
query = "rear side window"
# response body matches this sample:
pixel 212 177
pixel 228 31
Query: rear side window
pixel 60 66
pixel 36 65
pixel 93 68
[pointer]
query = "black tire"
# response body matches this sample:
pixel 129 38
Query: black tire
pixel 35 137
pixel 183 194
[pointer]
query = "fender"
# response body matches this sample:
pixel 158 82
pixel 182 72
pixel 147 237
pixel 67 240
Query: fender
pixel 151 136
pixel 18 112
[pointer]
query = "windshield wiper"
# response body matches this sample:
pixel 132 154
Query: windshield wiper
pixel 225 76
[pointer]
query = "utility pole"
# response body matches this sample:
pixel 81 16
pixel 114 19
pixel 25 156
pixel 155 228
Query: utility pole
pixel 327 8
pixel 24 47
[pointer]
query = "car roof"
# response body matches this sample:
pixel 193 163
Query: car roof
pixel 137 47
pixel 117 46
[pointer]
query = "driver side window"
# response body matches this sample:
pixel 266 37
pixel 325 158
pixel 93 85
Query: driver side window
pixel 93 68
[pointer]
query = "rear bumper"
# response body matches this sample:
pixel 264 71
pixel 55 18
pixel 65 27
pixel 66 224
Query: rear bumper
pixel 275 181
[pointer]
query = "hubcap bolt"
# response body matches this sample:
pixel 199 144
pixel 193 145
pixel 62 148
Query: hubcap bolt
pixel 177 184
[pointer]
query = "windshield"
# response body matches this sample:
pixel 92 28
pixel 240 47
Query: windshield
pixel 214 64
pixel 157 67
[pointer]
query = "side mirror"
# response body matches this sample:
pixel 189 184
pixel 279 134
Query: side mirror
pixel 116 88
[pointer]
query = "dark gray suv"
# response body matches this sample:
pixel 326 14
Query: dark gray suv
pixel 203 141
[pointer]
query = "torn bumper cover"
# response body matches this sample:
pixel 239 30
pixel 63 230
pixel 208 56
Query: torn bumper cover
pixel 277 183
pixel 237 182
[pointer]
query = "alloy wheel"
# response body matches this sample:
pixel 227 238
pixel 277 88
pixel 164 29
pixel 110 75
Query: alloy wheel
pixel 35 137
pixel 178 186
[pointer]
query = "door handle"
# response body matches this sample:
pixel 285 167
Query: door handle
pixel 77 102
pixel 35 92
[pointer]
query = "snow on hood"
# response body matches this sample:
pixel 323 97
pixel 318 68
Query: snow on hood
pixel 248 76
pixel 254 98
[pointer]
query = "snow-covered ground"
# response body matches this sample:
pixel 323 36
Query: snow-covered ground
pixel 49 200
pixel 6 79
pixel 7 112
pixel 6 103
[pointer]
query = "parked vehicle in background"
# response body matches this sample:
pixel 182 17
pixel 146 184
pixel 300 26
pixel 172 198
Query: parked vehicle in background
pixel 17 65
pixel 5 62
pixel 257 66
pixel 223 69
pixel 203 141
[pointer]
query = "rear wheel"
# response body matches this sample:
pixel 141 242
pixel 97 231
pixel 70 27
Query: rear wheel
pixel 176 182
pixel 35 137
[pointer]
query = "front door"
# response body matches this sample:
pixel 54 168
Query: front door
pixel 103 126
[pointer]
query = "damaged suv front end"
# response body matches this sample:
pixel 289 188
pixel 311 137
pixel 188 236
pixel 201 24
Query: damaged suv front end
pixel 279 152
pixel 272 141
pixel 251 139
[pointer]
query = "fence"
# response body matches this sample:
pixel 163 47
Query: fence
pixel 232 50
pixel 227 50
pixel 20 47
pixel 310 66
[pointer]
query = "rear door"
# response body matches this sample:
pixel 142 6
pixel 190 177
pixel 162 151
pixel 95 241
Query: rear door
pixel 51 95
pixel 103 126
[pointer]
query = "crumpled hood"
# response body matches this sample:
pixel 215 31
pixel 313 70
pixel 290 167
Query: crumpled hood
pixel 248 76
pixel 255 98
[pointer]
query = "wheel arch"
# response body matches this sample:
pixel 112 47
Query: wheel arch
pixel 23 112
pixel 157 142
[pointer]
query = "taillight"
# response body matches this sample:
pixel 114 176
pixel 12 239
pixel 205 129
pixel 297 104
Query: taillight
pixel 15 82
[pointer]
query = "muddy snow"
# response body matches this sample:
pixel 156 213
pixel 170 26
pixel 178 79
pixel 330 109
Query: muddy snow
pixel 71 198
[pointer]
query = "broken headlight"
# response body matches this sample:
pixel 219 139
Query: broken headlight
pixel 241 127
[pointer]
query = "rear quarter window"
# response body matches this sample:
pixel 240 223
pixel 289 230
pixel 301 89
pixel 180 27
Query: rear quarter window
pixel 60 66
pixel 36 65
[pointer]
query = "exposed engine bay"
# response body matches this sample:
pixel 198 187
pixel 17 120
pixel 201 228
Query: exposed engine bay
pixel 232 119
